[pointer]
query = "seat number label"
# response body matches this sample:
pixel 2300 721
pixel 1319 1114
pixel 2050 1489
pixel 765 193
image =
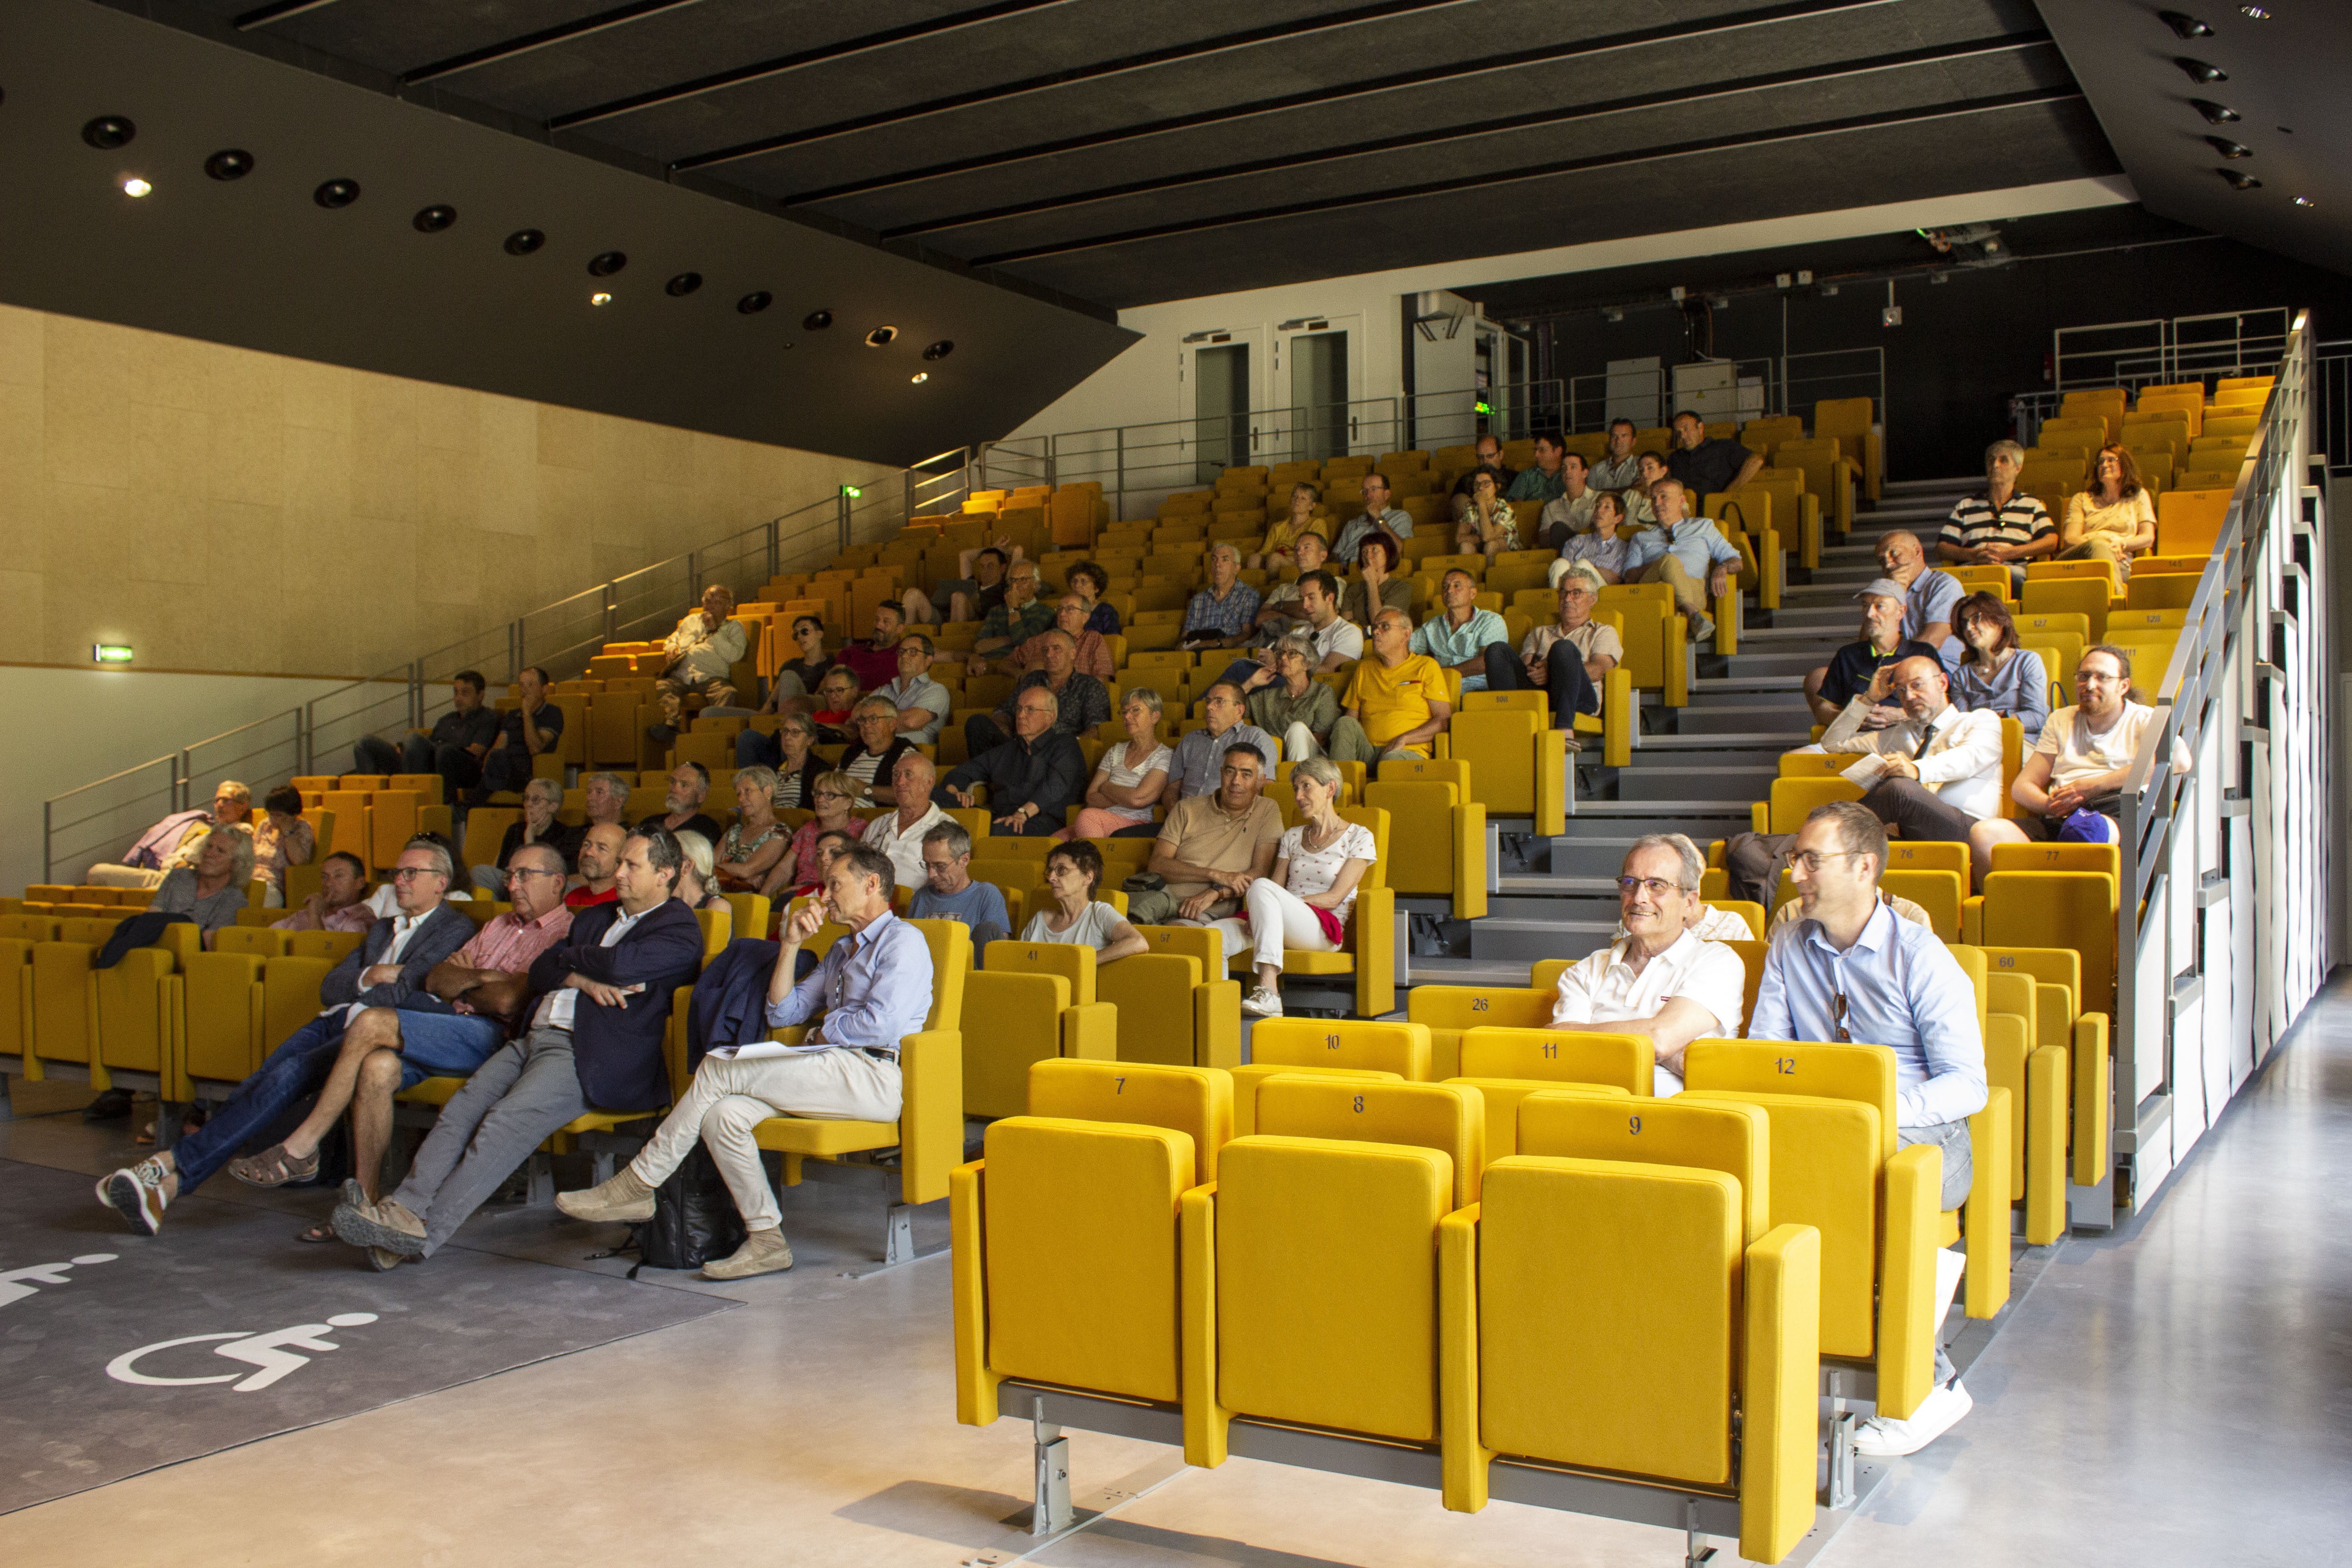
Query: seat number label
pixel 1785 1065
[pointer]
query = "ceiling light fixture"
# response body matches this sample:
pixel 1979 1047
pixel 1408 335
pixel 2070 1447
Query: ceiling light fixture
pixel 816 321
pixel 685 283
pixel 2229 149
pixel 136 187
pixel 2256 12
pixel 2183 24
pixel 2199 72
pixel 600 298
pixel 881 337
pixel 2304 201
pixel 754 302
pixel 523 241
pixel 920 377
pixel 605 263
pixel 2239 182
pixel 229 163
pixel 2214 113
pixel 334 194
pixel 939 349
pixel 109 132
pixel 434 218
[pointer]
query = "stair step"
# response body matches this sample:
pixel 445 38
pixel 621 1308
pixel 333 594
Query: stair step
pixel 1528 940
pixel 1620 821
pixel 1742 718
pixel 1730 785
pixel 1747 665
pixel 1711 684
pixel 1598 857
pixel 1722 742
pixel 1593 885
pixel 1490 973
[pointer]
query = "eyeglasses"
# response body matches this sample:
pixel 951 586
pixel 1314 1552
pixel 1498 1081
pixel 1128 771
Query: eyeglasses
pixel 514 872
pixel 834 794
pixel 409 873
pixel 1837 1018
pixel 1657 886
pixel 1810 860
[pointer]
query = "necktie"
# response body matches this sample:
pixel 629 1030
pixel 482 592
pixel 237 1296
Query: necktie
pixel 1920 750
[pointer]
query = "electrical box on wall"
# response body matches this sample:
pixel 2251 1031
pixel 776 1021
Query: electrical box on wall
pixel 1892 316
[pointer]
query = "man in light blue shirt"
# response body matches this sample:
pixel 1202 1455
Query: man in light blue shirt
pixel 1689 552
pixel 1377 513
pixel 1847 969
pixel 1459 634
pixel 873 988
pixel 923 704
pixel 1930 598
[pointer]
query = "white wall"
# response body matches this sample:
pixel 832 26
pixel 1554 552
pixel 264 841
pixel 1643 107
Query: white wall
pixel 68 727
pixel 1142 385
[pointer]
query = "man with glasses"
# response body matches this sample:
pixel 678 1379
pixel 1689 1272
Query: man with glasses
pixel 2071 785
pixel 1199 756
pixel 1080 701
pixel 1489 450
pixel 1034 779
pixel 388 968
pixel 1937 774
pixel 1848 970
pixel 950 893
pixel 1212 847
pixel 1663 981
pixel 922 703
pixel 1377 516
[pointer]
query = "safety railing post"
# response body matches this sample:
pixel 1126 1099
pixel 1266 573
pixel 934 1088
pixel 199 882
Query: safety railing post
pixel 611 610
pixel 841 505
pixel 776 542
pixel 694 575
pixel 48 844
pixel 307 751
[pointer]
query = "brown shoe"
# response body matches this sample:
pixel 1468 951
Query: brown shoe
pixel 274 1167
pixel 623 1200
pixel 386 1224
pixel 762 1252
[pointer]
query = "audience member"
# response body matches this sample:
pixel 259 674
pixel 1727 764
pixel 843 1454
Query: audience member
pixel 1212 847
pixel 604 796
pixel 793 688
pixel 387 967
pixel 446 1027
pixel 2001 527
pixel 1279 611
pixel 698 874
pixel 801 871
pixel 1849 970
pixel 340 902
pixel 1652 472
pixel 1662 979
pixel 281 838
pixel 875 662
pixel 1929 596
pixel 1080 701
pixel 1020 616
pixel 1197 762
pixel 1852 668
pixel 1398 696
pixel 454 747
pixel 1073 874
pixel 1568 661
pixel 977 586
pixel 1333 643
pixel 1688 553
pixel 750 849
pixel 1034 779
pixel 215 889
pixel 689 787
pixel 700 657
pixel 1702 919
pixel 1459 635
pixel 1995 674
pixel 948 893
pixel 175 841
pixel 541 799
pixel 1220 615
pixel 2111 518
pixel 1091 582
pixel 2071 783
pixel 1304 901
pixel 898 833
pixel 527 730
pixel 1484 523
pixel 873 988
pixel 1601 547
pixel 1375 589
pixel 595 866
pixel 789 752
pixel 1303 713
pixel 1090 652
pixel 593 1040
pixel 1545 482
pixel 836 701
pixel 1378 517
pixel 877 749
pixel 1707 465
pixel 1280 545
pixel 1133 776
pixel 1570 513
pixel 1489 450
pixel 1620 468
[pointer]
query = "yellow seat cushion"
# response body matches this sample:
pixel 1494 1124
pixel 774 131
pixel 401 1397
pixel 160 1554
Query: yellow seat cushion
pixel 800 1135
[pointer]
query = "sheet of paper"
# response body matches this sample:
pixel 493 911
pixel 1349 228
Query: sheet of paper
pixel 1866 772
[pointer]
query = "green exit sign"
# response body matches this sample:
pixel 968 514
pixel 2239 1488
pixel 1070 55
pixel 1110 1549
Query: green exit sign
pixel 110 653
pixel 852 491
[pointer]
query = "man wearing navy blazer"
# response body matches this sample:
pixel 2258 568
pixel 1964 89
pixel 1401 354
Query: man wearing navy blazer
pixel 594 1039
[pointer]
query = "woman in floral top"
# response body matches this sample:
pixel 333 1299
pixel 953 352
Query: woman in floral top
pixel 1305 901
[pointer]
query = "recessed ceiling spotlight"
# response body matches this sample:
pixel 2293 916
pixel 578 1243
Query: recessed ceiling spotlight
pixel 523 241
pixel 941 350
pixel 434 218
pixel 2304 201
pixel 600 298
pixel 2183 24
pixel 817 320
pixel 2215 113
pixel 605 263
pixel 333 193
pixel 2229 149
pixel 229 163
pixel 2256 12
pixel 134 186
pixel 2199 72
pixel 1613 313
pixel 2239 182
pixel 881 337
pixel 109 132
pixel 754 302
pixel 920 377
pixel 685 283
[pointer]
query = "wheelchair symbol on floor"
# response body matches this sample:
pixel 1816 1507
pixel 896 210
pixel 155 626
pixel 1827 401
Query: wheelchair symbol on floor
pixel 15 1284
pixel 272 1352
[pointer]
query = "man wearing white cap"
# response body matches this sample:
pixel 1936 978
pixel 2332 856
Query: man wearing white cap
pixel 1853 667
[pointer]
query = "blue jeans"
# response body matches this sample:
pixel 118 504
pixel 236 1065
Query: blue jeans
pixel 753 750
pixel 290 1074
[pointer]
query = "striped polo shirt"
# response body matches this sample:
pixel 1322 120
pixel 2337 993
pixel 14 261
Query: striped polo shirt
pixel 2020 520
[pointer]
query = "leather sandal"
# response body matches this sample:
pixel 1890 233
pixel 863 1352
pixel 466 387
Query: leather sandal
pixel 273 1167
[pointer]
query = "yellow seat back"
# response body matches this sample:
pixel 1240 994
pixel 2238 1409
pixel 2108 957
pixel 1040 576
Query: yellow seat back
pixel 1450 1117
pixel 1074 961
pixel 2058 909
pixel 1195 1101
pixel 951 945
pixel 329 945
pixel 259 941
pixel 1563 1055
pixel 1725 1136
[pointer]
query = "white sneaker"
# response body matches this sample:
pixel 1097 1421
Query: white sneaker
pixel 136 1192
pixel 1702 628
pixel 1884 1437
pixel 1263 1004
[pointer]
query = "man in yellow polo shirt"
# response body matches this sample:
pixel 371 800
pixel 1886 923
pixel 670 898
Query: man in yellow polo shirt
pixel 1397 695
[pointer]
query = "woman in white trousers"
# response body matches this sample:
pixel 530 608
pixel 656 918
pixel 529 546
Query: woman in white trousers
pixel 1317 867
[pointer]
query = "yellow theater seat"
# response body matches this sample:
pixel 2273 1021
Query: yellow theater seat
pixel 1318 1044
pixel 1175 1005
pixel 1449 1011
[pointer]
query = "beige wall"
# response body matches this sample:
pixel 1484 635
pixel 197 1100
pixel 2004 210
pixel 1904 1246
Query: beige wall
pixel 223 509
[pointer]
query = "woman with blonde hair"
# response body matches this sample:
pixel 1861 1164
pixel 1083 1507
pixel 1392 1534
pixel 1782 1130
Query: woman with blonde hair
pixel 1280 545
pixel 1132 777
pixel 696 874
pixel 210 891
pixel 749 851
pixel 1304 902
pixel 802 870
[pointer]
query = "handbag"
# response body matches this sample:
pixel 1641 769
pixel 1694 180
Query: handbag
pixel 694 1218
pixel 1143 882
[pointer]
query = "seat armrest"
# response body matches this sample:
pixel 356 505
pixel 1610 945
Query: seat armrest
pixel 1906 1280
pixel 1986 1213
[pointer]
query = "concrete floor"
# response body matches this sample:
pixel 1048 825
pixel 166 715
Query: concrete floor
pixel 2178 1393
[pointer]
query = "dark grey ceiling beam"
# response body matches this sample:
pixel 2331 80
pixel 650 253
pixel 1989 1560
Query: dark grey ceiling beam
pixel 1793 10
pixel 285 10
pixel 1810 76
pixel 1204 49
pixel 1536 172
pixel 546 38
pixel 866 43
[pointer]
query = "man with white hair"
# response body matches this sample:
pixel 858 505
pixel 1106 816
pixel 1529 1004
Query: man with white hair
pixel 899 834
pixel 701 656
pixel 1223 614
pixel 1663 980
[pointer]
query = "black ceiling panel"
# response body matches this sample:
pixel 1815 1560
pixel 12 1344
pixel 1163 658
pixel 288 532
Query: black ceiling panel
pixel 1126 151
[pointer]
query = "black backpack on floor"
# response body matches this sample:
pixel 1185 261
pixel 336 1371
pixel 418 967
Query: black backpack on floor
pixel 694 1220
